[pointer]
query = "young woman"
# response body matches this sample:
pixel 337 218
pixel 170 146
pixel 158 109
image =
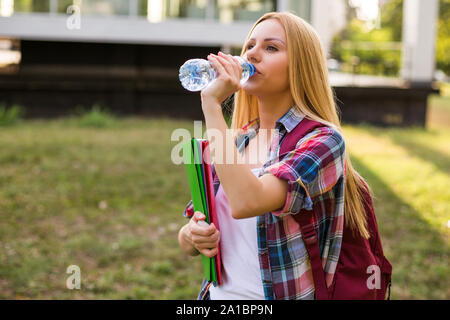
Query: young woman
pixel 264 256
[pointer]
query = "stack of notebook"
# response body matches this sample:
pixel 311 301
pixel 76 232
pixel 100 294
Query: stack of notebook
pixel 197 161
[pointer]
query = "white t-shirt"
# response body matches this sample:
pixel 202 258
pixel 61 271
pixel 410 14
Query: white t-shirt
pixel 241 272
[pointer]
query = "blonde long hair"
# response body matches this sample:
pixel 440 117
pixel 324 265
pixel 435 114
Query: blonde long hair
pixel 312 93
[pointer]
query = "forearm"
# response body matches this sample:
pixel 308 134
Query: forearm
pixel 239 183
pixel 185 242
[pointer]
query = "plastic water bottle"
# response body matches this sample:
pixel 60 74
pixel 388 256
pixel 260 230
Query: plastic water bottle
pixel 196 74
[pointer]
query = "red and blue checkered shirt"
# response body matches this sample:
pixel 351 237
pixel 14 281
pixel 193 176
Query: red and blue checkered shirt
pixel 315 174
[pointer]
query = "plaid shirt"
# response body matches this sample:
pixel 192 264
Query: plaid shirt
pixel 315 174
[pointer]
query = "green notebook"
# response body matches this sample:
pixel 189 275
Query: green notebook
pixel 193 160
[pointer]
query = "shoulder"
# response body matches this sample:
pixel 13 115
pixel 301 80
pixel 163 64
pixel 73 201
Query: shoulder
pixel 313 167
pixel 321 139
pixel 321 152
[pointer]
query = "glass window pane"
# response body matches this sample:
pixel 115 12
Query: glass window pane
pixel 242 10
pixel 302 8
pixel 31 5
pixel 98 7
pixel 142 7
pixel 162 9
pixel 195 9
pixel 63 5
pixel 223 10
pixel 105 7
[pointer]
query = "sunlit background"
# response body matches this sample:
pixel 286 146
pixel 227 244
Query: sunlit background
pixel 90 97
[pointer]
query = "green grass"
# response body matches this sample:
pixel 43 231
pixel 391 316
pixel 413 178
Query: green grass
pixel 439 113
pixel 409 173
pixel 10 116
pixel 110 200
pixel 107 200
pixel 96 117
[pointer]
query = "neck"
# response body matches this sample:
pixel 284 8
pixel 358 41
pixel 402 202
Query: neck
pixel 271 108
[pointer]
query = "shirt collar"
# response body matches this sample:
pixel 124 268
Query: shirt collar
pixel 289 121
pixel 291 118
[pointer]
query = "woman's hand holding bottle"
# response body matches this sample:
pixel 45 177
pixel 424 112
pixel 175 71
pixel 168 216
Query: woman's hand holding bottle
pixel 228 80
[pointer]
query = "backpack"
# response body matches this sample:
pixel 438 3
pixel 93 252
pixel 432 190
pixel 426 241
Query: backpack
pixel 362 272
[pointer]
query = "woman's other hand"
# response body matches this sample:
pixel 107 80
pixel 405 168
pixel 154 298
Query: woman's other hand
pixel 205 238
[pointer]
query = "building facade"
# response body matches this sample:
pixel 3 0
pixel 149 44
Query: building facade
pixel 120 54
pixel 58 55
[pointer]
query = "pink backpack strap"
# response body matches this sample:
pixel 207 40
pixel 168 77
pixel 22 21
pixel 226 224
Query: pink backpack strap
pixel 305 217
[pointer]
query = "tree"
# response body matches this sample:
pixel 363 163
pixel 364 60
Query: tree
pixel 391 31
pixel 369 45
pixel 392 18
pixel 443 37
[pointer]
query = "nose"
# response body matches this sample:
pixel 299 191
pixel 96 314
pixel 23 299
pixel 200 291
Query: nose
pixel 253 55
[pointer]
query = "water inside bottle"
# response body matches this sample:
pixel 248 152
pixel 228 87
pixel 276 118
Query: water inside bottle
pixel 195 74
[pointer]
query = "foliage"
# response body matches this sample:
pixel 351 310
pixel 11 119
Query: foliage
pixel 443 42
pixel 392 18
pixel 10 116
pixel 97 117
pixel 384 57
pixel 375 51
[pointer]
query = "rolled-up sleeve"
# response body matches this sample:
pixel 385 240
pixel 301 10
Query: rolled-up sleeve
pixel 311 169
pixel 189 210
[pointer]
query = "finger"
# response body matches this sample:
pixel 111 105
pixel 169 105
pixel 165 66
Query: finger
pixel 202 231
pixel 217 65
pixel 233 61
pixel 212 239
pixel 211 229
pixel 229 64
pixel 204 242
pixel 205 245
pixel 234 70
pixel 201 222
pixel 198 216
pixel 209 252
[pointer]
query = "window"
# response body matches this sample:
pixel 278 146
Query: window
pixel 225 11
pixel 243 10
pixel 31 6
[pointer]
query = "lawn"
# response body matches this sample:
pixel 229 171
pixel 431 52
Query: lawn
pixel 110 201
